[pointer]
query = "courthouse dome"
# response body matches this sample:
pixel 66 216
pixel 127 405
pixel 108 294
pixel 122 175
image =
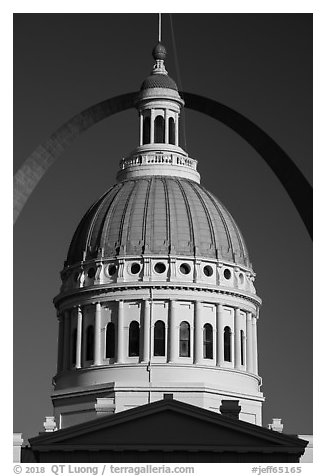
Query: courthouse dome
pixel 158 215
pixel 157 290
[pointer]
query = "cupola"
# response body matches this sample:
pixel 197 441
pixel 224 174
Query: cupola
pixel 159 104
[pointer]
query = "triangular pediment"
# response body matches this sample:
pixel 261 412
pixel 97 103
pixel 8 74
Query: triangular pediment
pixel 167 424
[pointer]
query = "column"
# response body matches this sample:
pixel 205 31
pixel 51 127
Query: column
pixel 79 337
pixel 237 340
pixel 60 343
pixel 152 127
pixel 173 334
pixel 66 348
pixel 249 343
pixel 141 128
pixel 220 335
pixel 97 335
pixel 177 129
pixel 120 354
pixel 254 345
pixel 166 127
pixel 198 330
pixel 146 331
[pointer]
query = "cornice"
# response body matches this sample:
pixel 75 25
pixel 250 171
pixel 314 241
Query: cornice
pixel 100 292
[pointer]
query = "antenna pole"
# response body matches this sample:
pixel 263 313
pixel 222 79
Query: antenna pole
pixel 159 27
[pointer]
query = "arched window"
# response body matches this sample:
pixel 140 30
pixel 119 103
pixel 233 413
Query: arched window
pixel 90 343
pixel 184 339
pixel 110 341
pixel 208 341
pixel 171 131
pixel 159 338
pixel 73 347
pixel 227 344
pixel 146 130
pixel 159 129
pixel 242 346
pixel 134 339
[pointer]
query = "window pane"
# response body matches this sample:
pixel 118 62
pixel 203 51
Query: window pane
pixel 184 330
pixel 159 338
pixel 208 341
pixel 74 347
pixel 134 339
pixel 110 340
pixel 184 349
pixel 184 339
pixel 90 343
pixel 242 346
pixel 227 344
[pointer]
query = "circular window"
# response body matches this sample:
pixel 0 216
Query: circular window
pixel 208 270
pixel 185 268
pixel 227 273
pixel 160 268
pixel 91 272
pixel 241 278
pixel 135 268
pixel 112 269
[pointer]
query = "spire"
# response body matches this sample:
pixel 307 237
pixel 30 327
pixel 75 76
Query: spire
pixel 159 27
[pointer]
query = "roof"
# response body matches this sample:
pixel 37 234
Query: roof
pixel 168 425
pixel 159 215
pixel 158 81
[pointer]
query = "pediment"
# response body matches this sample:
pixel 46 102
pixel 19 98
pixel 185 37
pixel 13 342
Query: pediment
pixel 167 424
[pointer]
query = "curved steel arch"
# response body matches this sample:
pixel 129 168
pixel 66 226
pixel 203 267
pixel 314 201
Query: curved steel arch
pixel 35 166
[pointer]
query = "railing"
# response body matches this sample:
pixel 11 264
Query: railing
pixel 169 159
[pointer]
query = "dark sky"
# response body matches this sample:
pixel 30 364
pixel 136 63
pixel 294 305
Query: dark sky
pixel 258 64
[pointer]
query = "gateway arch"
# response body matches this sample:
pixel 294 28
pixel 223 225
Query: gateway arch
pixel 38 163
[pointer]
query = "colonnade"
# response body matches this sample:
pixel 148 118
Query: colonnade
pixel 153 114
pixel 243 338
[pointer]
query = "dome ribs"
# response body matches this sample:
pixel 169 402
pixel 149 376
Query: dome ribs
pixel 194 245
pixel 121 244
pixel 114 220
pixel 93 240
pixel 126 228
pixel 158 215
pixel 174 208
pixel 179 224
pixel 135 238
pixel 208 217
pixel 145 214
pixel 168 215
pixel 104 245
pixel 242 245
pixel 159 218
pixel 226 229
pixel 78 246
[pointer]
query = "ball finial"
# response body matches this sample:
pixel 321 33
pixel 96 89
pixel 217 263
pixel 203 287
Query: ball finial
pixel 159 52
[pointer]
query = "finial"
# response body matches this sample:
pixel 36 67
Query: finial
pixel 159 55
pixel 159 52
